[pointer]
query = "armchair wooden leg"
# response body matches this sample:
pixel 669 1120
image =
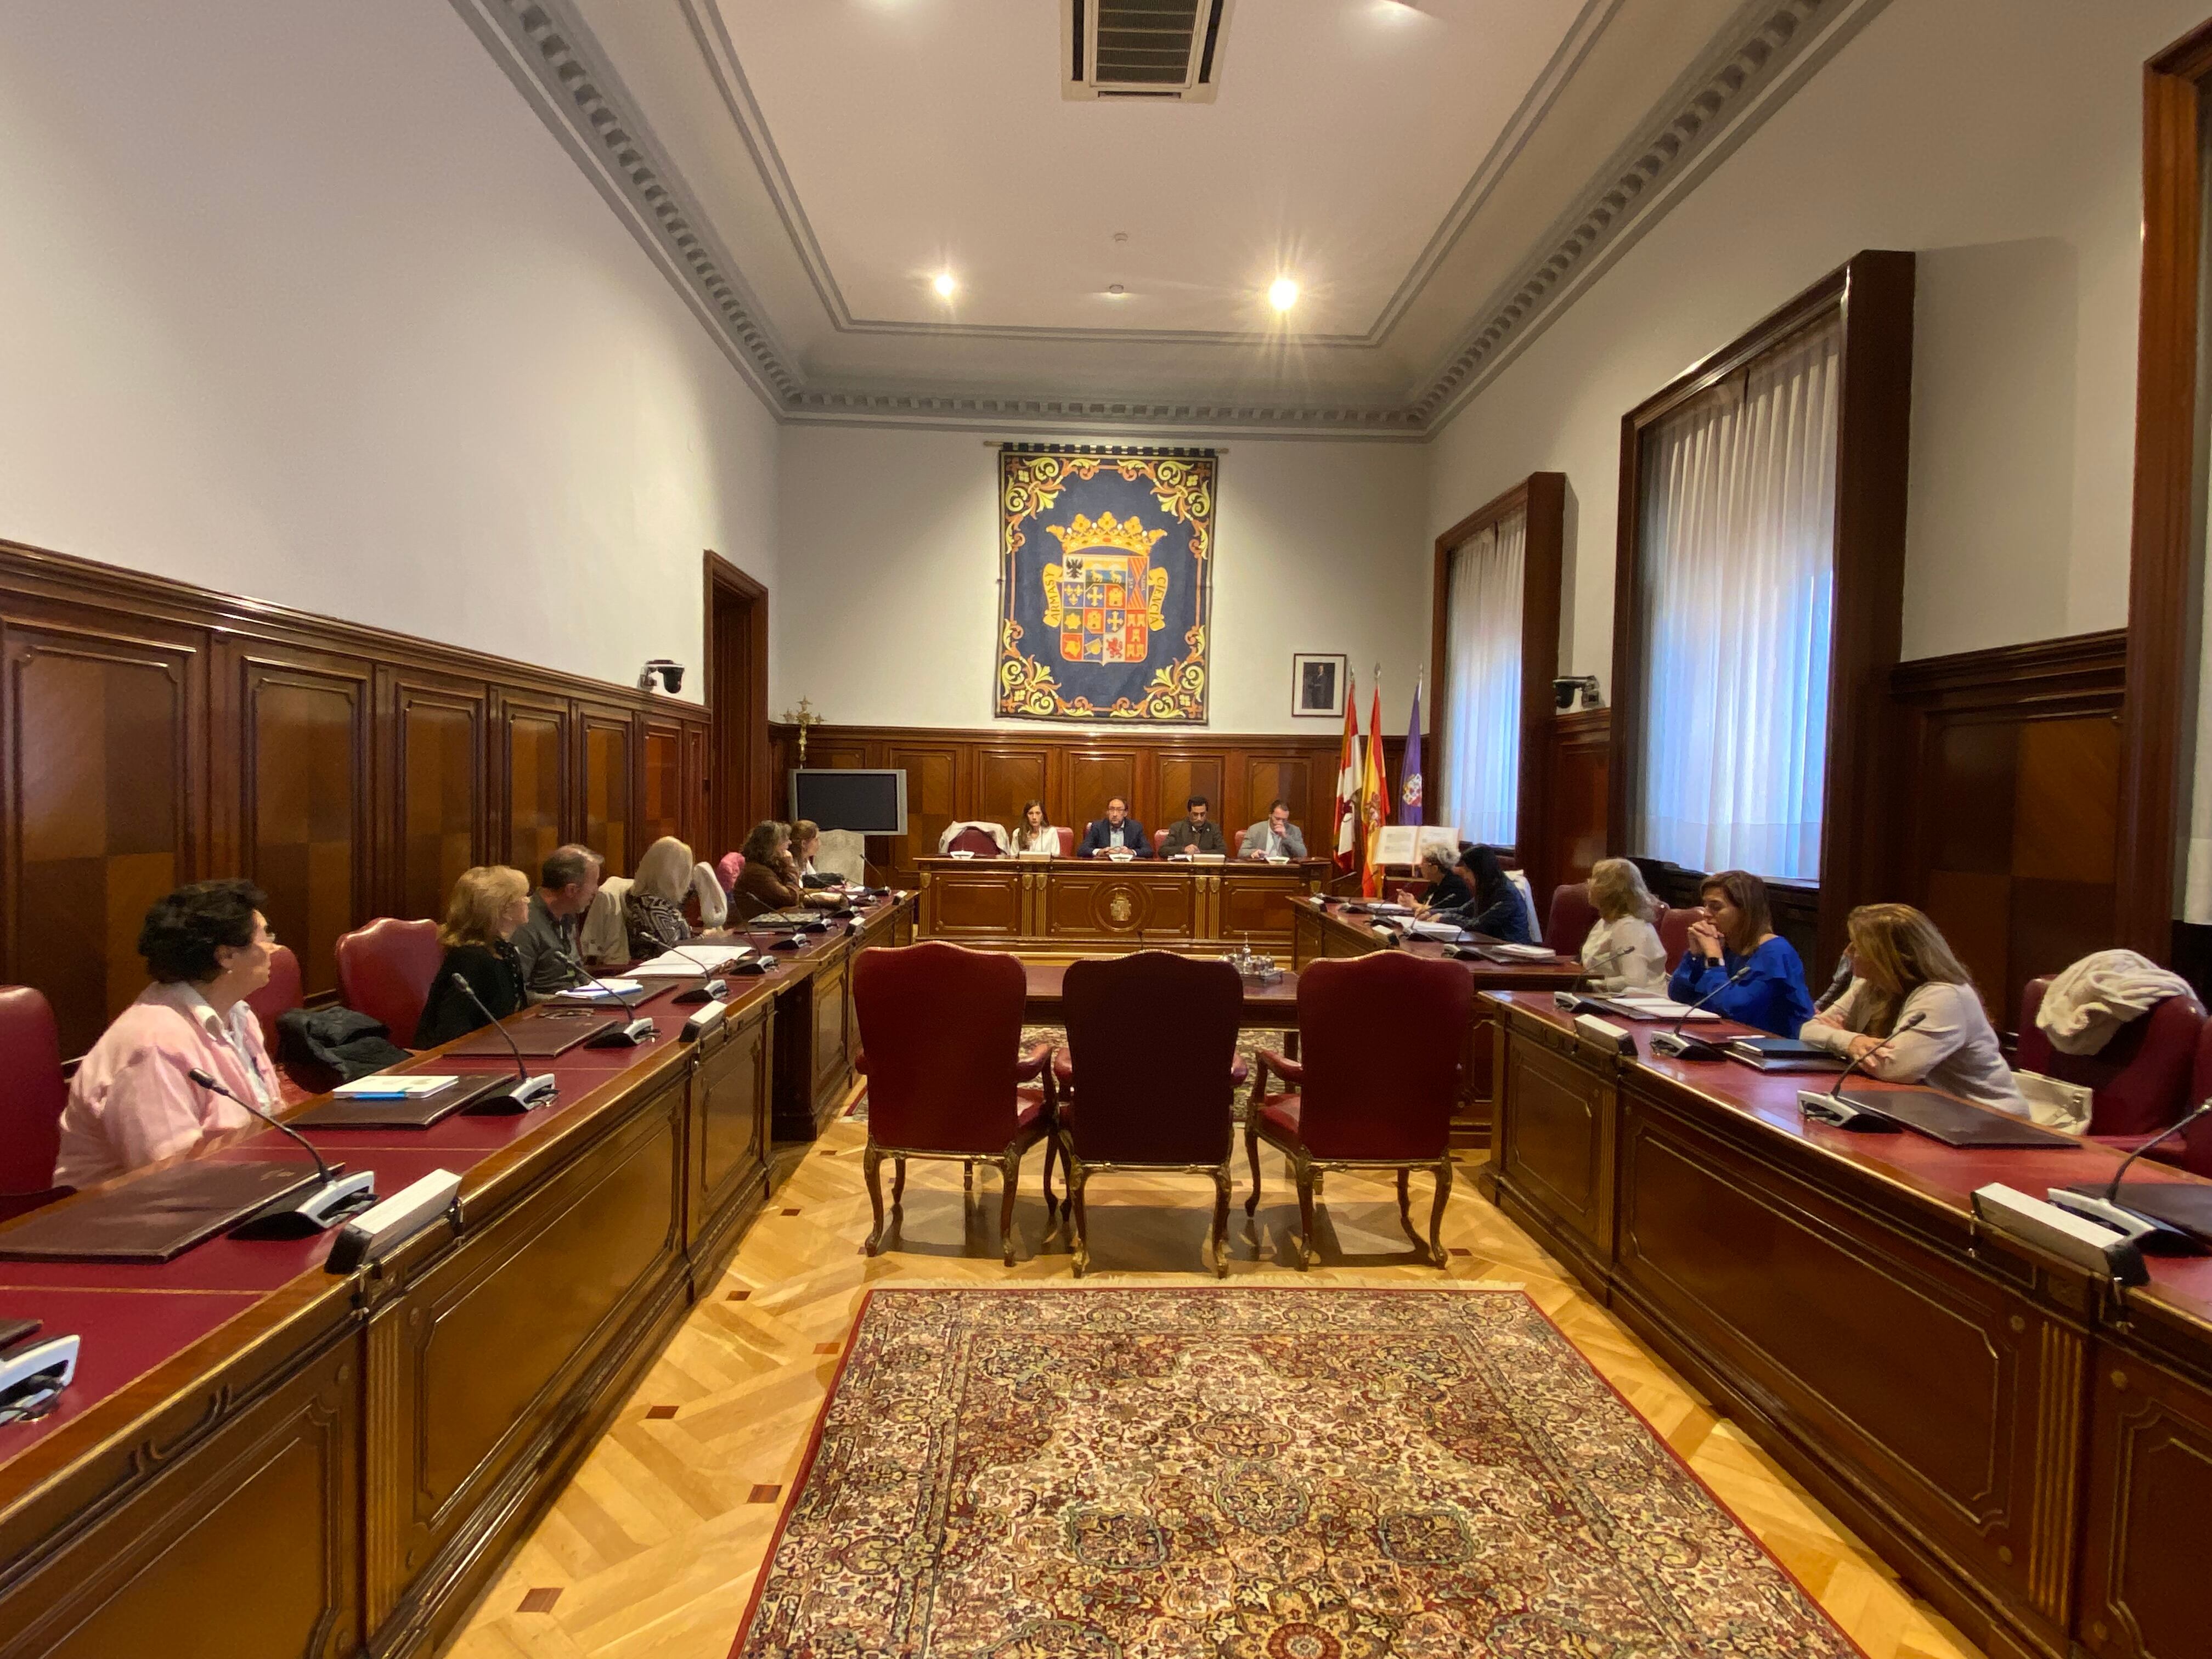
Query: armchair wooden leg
pixel 1436 1214
pixel 898 1182
pixel 1252 1151
pixel 1077 1175
pixel 1010 1178
pixel 1051 1151
pixel 1221 1221
pixel 872 1163
pixel 1406 1204
pixel 967 1175
pixel 1308 1179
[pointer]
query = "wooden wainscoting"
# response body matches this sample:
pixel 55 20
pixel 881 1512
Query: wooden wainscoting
pixel 1577 773
pixel 985 774
pixel 2010 811
pixel 153 733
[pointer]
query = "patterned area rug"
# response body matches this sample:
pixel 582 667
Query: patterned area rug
pixel 1251 1474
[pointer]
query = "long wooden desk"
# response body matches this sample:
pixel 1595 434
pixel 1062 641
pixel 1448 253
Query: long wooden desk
pixel 260 1458
pixel 1328 928
pixel 2031 1449
pixel 1087 907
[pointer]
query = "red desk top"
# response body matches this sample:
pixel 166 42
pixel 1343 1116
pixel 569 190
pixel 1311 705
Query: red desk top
pixel 1562 971
pixel 1946 1176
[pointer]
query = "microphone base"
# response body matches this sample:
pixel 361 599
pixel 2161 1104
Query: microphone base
pixel 2147 1233
pixel 713 990
pixel 317 1210
pixel 1837 1112
pixel 627 1036
pixel 1673 1045
pixel 515 1095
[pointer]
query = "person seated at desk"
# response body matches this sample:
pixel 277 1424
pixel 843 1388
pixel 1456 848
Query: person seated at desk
pixel 805 842
pixel 488 904
pixel 1116 830
pixel 1447 889
pixel 1905 970
pixel 1736 932
pixel 1496 909
pixel 548 943
pixel 132 1100
pixel 652 912
pixel 1273 837
pixel 818 893
pixel 1033 833
pixel 1622 952
pixel 1195 831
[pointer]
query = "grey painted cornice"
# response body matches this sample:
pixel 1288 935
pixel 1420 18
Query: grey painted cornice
pixel 1770 47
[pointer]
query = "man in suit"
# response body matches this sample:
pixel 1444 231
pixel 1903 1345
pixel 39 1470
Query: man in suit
pixel 1275 834
pixel 1195 832
pixel 1116 828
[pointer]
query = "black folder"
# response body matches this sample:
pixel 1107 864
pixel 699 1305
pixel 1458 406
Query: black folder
pixel 157 1217
pixel 1955 1122
pixel 540 1033
pixel 415 1112
pixel 2183 1204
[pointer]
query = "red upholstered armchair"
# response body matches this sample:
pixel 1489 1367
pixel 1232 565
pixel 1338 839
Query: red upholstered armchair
pixel 385 971
pixel 1381 1036
pixel 1674 926
pixel 31 1096
pixel 1572 917
pixel 272 1003
pixel 2192 1148
pixel 940 1040
pixel 1152 1042
pixel 972 840
pixel 2141 1077
pixel 1067 840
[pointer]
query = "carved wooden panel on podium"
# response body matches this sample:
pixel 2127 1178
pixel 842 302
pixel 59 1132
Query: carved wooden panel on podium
pixel 2150 1463
pixel 606 779
pixel 436 790
pixel 533 738
pixel 302 788
pixel 992 901
pixel 1125 904
pixel 104 797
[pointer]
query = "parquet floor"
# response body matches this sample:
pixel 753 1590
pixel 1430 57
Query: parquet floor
pixel 652 1549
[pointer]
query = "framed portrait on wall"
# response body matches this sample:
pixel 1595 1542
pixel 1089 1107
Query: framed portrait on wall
pixel 1317 683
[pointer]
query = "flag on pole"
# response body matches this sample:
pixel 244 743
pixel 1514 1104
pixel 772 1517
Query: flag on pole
pixel 1375 797
pixel 1409 791
pixel 1347 785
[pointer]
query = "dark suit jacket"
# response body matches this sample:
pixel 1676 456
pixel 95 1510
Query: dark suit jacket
pixel 1094 839
pixel 1182 832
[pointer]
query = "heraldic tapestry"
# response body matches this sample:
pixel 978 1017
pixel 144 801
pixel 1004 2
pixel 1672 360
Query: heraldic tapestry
pixel 1105 584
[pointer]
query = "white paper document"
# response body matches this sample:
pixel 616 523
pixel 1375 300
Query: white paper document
pixel 606 990
pixel 1650 1007
pixel 410 1086
pixel 688 961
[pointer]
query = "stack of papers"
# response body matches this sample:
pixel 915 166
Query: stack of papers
pixel 391 1086
pixel 1449 932
pixel 1382 907
pixel 607 990
pixel 1657 1008
pixel 1523 953
pixel 688 962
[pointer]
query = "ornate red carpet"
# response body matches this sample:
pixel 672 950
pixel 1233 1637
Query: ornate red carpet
pixel 1251 1474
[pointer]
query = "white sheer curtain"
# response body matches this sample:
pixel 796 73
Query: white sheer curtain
pixel 1482 682
pixel 1738 572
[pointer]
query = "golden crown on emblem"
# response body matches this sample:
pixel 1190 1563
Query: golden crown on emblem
pixel 1107 532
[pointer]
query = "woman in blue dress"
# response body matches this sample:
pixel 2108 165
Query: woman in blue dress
pixel 1734 936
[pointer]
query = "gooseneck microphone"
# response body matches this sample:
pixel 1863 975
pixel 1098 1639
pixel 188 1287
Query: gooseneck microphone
pixel 2112 1192
pixel 334 1196
pixel 633 1030
pixel 526 1090
pixel 1832 1110
pixel 1838 1091
pixel 2147 1233
pixel 1675 1046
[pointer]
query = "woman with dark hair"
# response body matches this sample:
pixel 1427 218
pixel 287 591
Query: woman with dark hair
pixel 1033 835
pixel 761 885
pixel 132 1100
pixel 1496 909
pixel 1752 975
pixel 488 904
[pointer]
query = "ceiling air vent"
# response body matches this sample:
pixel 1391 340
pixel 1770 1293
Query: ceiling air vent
pixel 1167 49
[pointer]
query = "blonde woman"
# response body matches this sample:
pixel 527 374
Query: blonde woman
pixel 1623 952
pixel 1906 974
pixel 488 902
pixel 653 911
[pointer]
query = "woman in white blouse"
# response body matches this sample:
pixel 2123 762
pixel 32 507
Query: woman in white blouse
pixel 1623 952
pixel 1033 833
pixel 1906 975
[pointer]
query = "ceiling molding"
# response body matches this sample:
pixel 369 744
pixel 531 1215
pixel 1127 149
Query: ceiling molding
pixel 1717 105
pixel 1770 49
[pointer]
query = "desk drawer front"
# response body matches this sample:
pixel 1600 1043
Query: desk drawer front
pixel 981 903
pixel 2151 1496
pixel 1557 1119
pixel 729 1123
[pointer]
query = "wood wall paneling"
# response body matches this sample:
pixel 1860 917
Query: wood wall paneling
pixel 105 805
pixel 1579 762
pixel 1008 777
pixel 153 733
pixel 935 777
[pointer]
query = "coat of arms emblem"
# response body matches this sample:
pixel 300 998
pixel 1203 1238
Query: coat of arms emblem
pixel 1105 595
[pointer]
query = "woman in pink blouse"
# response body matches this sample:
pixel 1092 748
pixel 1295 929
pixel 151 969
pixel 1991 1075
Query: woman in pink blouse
pixel 132 1101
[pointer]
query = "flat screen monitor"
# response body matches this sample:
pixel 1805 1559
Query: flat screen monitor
pixel 851 798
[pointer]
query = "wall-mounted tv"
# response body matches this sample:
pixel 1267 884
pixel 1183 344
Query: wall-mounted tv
pixel 851 798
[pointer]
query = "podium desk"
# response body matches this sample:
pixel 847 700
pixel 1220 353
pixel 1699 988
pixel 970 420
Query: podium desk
pixel 1102 907
pixel 283 1460
pixel 1325 927
pixel 2028 1446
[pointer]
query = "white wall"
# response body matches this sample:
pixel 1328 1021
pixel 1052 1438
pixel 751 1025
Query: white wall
pixel 303 302
pixel 886 613
pixel 2000 141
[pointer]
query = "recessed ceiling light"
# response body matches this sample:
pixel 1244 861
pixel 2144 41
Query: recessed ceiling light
pixel 944 284
pixel 1282 294
pixel 1115 289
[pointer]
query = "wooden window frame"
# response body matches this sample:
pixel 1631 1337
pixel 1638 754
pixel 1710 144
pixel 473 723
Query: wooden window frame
pixel 2168 497
pixel 1543 497
pixel 1872 297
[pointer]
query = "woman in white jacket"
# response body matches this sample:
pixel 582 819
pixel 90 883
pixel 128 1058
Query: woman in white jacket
pixel 1623 952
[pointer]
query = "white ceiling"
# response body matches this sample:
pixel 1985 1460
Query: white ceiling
pixel 1437 177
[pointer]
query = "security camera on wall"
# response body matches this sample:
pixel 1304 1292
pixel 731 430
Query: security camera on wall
pixel 1563 692
pixel 670 675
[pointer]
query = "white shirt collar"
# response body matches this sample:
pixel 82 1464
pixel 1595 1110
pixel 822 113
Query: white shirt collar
pixel 185 997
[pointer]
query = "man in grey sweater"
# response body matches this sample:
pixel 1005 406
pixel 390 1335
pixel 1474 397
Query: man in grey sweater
pixel 1274 835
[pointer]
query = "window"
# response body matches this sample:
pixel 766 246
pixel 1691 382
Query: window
pixel 1482 682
